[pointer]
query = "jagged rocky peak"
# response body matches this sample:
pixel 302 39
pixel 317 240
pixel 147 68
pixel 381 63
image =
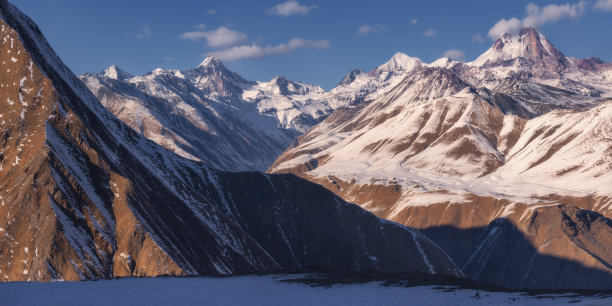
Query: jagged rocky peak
pixel 283 86
pixel 537 47
pixel 400 62
pixel 591 64
pixel 214 78
pixel 350 77
pixel 210 62
pixel 116 73
pixel 528 44
pixel 417 85
pixel 441 75
pixel 212 66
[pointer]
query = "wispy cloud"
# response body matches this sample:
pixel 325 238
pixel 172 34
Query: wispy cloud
pixel 414 21
pixel 454 54
pixel 200 26
pixel 221 37
pixel 257 51
pixel 211 12
pixel 290 8
pixel 477 38
pixel 145 32
pixel 367 29
pixel 430 33
pixel 536 16
pixel 604 5
pixel 169 58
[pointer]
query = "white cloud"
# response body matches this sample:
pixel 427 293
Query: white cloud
pixel 536 16
pixel 510 26
pixel 414 21
pixel 169 58
pixel 604 5
pixel 430 33
pixel 211 12
pixel 221 37
pixel 552 13
pixel 454 54
pixel 477 38
pixel 200 26
pixel 289 8
pixel 367 29
pixel 257 51
pixel 144 33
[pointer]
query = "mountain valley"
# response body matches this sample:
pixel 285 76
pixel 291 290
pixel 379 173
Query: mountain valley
pixel 497 170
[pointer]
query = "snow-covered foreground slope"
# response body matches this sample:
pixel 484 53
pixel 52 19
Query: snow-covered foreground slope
pixel 84 196
pixel 267 290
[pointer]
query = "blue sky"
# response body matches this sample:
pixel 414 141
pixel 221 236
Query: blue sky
pixel 311 41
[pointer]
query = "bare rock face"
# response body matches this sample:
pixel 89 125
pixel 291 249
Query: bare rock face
pixel 521 245
pixel 84 196
pixel 537 245
pixel 542 247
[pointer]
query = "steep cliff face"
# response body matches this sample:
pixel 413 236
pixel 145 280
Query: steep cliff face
pixel 549 242
pixel 58 218
pixel 72 175
pixel 538 246
pixel 83 196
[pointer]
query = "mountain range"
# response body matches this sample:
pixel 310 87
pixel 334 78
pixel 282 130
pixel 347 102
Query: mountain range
pixel 498 170
pixel 211 114
pixel 509 152
pixel 84 196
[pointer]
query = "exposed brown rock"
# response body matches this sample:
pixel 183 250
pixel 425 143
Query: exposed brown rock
pixel 540 245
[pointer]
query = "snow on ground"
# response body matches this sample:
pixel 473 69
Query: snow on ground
pixel 260 290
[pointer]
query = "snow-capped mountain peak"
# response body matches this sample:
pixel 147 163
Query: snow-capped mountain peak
pixel 210 61
pixel 116 73
pixel 444 62
pixel 282 86
pixel 212 66
pixel 214 78
pixel 400 62
pixel 530 55
pixel 529 44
